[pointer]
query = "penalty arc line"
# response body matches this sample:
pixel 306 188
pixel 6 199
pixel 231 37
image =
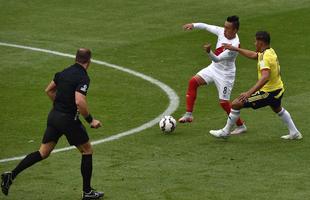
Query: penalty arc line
pixel 173 98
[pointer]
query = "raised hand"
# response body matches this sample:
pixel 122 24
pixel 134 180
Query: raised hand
pixel 188 26
pixel 207 47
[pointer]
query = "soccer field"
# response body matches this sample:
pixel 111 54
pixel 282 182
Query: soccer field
pixel 147 37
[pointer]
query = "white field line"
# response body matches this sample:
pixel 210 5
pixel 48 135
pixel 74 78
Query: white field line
pixel 173 98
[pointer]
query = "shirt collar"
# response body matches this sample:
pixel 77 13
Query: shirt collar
pixel 80 66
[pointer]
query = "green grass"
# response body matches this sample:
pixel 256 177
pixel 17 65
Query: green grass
pixel 146 36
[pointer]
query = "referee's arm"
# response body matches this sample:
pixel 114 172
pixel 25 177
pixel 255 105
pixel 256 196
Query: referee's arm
pixel 50 90
pixel 81 103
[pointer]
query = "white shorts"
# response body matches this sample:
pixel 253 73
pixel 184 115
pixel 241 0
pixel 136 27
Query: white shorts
pixel 223 82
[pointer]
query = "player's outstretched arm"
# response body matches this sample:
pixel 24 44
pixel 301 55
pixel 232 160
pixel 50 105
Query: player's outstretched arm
pixel 50 90
pixel 245 52
pixel 81 103
pixel 210 28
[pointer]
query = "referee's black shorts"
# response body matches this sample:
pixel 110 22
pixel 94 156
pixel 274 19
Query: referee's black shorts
pixel 59 123
pixel 261 99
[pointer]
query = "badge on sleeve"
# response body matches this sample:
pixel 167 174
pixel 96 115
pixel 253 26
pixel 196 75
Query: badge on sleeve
pixel 262 64
pixel 84 88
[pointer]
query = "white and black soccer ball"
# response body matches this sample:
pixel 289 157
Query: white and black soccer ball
pixel 167 124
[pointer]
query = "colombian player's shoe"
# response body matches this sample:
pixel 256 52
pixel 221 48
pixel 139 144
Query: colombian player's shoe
pixel 6 182
pixel 239 129
pixel 296 136
pixel 186 118
pixel 93 194
pixel 219 133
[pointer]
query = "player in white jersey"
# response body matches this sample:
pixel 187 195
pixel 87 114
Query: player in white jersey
pixel 221 71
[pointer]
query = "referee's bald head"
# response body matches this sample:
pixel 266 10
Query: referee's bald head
pixel 83 55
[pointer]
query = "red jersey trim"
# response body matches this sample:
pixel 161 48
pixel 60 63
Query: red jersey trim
pixel 218 51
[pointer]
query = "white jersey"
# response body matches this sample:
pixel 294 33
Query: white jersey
pixel 223 60
pixel 222 70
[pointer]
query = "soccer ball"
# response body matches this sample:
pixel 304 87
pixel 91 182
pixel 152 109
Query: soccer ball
pixel 167 124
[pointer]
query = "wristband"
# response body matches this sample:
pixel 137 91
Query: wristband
pixel 89 118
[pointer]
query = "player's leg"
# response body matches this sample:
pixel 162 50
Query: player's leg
pixel 86 165
pixel 257 100
pixel 77 135
pixel 8 177
pixel 191 95
pixel 241 127
pixel 233 116
pixel 224 88
pixel 288 121
pixel 49 142
pixel 34 157
pixel 86 171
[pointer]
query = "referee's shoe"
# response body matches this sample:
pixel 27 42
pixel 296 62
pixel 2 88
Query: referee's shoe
pixel 92 194
pixel 6 182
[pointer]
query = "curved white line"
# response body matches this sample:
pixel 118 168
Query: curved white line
pixel 173 98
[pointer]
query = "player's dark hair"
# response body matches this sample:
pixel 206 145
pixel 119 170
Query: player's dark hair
pixel 234 20
pixel 83 55
pixel 263 36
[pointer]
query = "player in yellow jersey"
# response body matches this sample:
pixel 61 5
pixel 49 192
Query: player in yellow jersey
pixel 268 90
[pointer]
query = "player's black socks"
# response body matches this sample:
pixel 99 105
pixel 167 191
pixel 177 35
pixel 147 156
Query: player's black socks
pixel 86 171
pixel 28 161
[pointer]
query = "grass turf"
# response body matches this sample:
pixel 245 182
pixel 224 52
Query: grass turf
pixel 146 36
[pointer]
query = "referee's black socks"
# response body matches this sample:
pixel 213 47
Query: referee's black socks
pixel 28 161
pixel 86 171
pixel 86 167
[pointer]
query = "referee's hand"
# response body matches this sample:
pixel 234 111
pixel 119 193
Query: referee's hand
pixel 95 124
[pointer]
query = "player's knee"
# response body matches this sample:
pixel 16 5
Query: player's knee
pixel 276 109
pixel 86 149
pixel 46 149
pixel 193 82
pixel 44 153
pixel 196 81
pixel 224 103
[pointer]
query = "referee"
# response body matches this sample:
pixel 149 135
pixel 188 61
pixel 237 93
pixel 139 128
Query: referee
pixel 68 92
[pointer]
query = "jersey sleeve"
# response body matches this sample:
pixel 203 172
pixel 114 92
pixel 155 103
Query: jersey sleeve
pixel 83 86
pixel 56 78
pixel 210 28
pixel 226 55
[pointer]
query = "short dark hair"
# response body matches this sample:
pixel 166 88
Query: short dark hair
pixel 263 36
pixel 234 20
pixel 83 55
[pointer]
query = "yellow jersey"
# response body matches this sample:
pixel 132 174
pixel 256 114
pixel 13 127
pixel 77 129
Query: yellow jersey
pixel 269 60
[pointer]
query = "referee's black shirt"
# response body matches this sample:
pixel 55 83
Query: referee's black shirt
pixel 70 80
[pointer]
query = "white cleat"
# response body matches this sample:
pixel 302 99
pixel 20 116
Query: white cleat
pixel 239 129
pixel 296 136
pixel 219 133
